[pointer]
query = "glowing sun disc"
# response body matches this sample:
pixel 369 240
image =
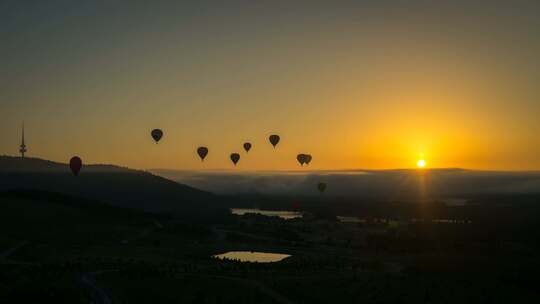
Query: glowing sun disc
pixel 421 163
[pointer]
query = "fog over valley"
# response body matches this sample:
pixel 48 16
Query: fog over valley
pixel 388 184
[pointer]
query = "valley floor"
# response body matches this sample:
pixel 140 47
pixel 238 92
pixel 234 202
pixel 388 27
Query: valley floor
pixel 66 253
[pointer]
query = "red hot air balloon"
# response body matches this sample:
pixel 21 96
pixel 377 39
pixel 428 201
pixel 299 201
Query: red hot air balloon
pixel 235 157
pixel 202 151
pixel 75 164
pixel 157 134
pixel 274 139
pixel 308 159
pixel 247 147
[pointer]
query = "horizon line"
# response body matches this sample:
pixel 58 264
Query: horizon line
pixel 233 170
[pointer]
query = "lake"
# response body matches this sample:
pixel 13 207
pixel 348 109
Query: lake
pixel 252 256
pixel 282 214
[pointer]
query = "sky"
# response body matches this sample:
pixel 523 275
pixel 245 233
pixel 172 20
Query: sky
pixel 357 84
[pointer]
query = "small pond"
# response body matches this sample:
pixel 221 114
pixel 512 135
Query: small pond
pixel 282 214
pixel 252 256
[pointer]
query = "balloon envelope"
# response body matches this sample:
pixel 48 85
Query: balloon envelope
pixel 308 159
pixel 75 164
pixel 235 157
pixel 247 146
pixel 157 134
pixel 202 151
pixel 274 139
pixel 301 158
pixel 321 187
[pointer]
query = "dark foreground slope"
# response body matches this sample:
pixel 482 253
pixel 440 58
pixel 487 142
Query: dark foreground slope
pixel 110 184
pixel 45 236
pixel 52 244
pixel 58 219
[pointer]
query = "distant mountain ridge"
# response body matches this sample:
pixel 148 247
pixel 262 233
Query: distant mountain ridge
pixel 110 184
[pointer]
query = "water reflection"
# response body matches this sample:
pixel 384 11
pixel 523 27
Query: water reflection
pixel 282 214
pixel 252 256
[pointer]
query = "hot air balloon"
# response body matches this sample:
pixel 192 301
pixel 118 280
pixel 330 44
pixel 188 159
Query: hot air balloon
pixel 301 158
pixel 274 139
pixel 235 157
pixel 321 187
pixel 308 159
pixel 75 164
pixel 247 146
pixel 202 151
pixel 157 134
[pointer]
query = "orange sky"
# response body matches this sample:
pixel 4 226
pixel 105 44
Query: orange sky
pixel 371 86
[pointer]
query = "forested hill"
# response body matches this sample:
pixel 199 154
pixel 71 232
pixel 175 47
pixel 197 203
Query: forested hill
pixel 105 183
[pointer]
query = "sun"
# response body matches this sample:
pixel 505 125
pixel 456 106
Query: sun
pixel 421 163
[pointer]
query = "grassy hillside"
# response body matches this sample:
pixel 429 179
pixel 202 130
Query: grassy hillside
pixel 110 184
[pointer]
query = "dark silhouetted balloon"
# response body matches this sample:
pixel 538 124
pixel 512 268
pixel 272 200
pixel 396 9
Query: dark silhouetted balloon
pixel 235 157
pixel 202 151
pixel 301 158
pixel 157 134
pixel 75 164
pixel 274 139
pixel 247 146
pixel 321 187
pixel 308 159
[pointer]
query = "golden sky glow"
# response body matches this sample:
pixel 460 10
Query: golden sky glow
pixel 356 86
